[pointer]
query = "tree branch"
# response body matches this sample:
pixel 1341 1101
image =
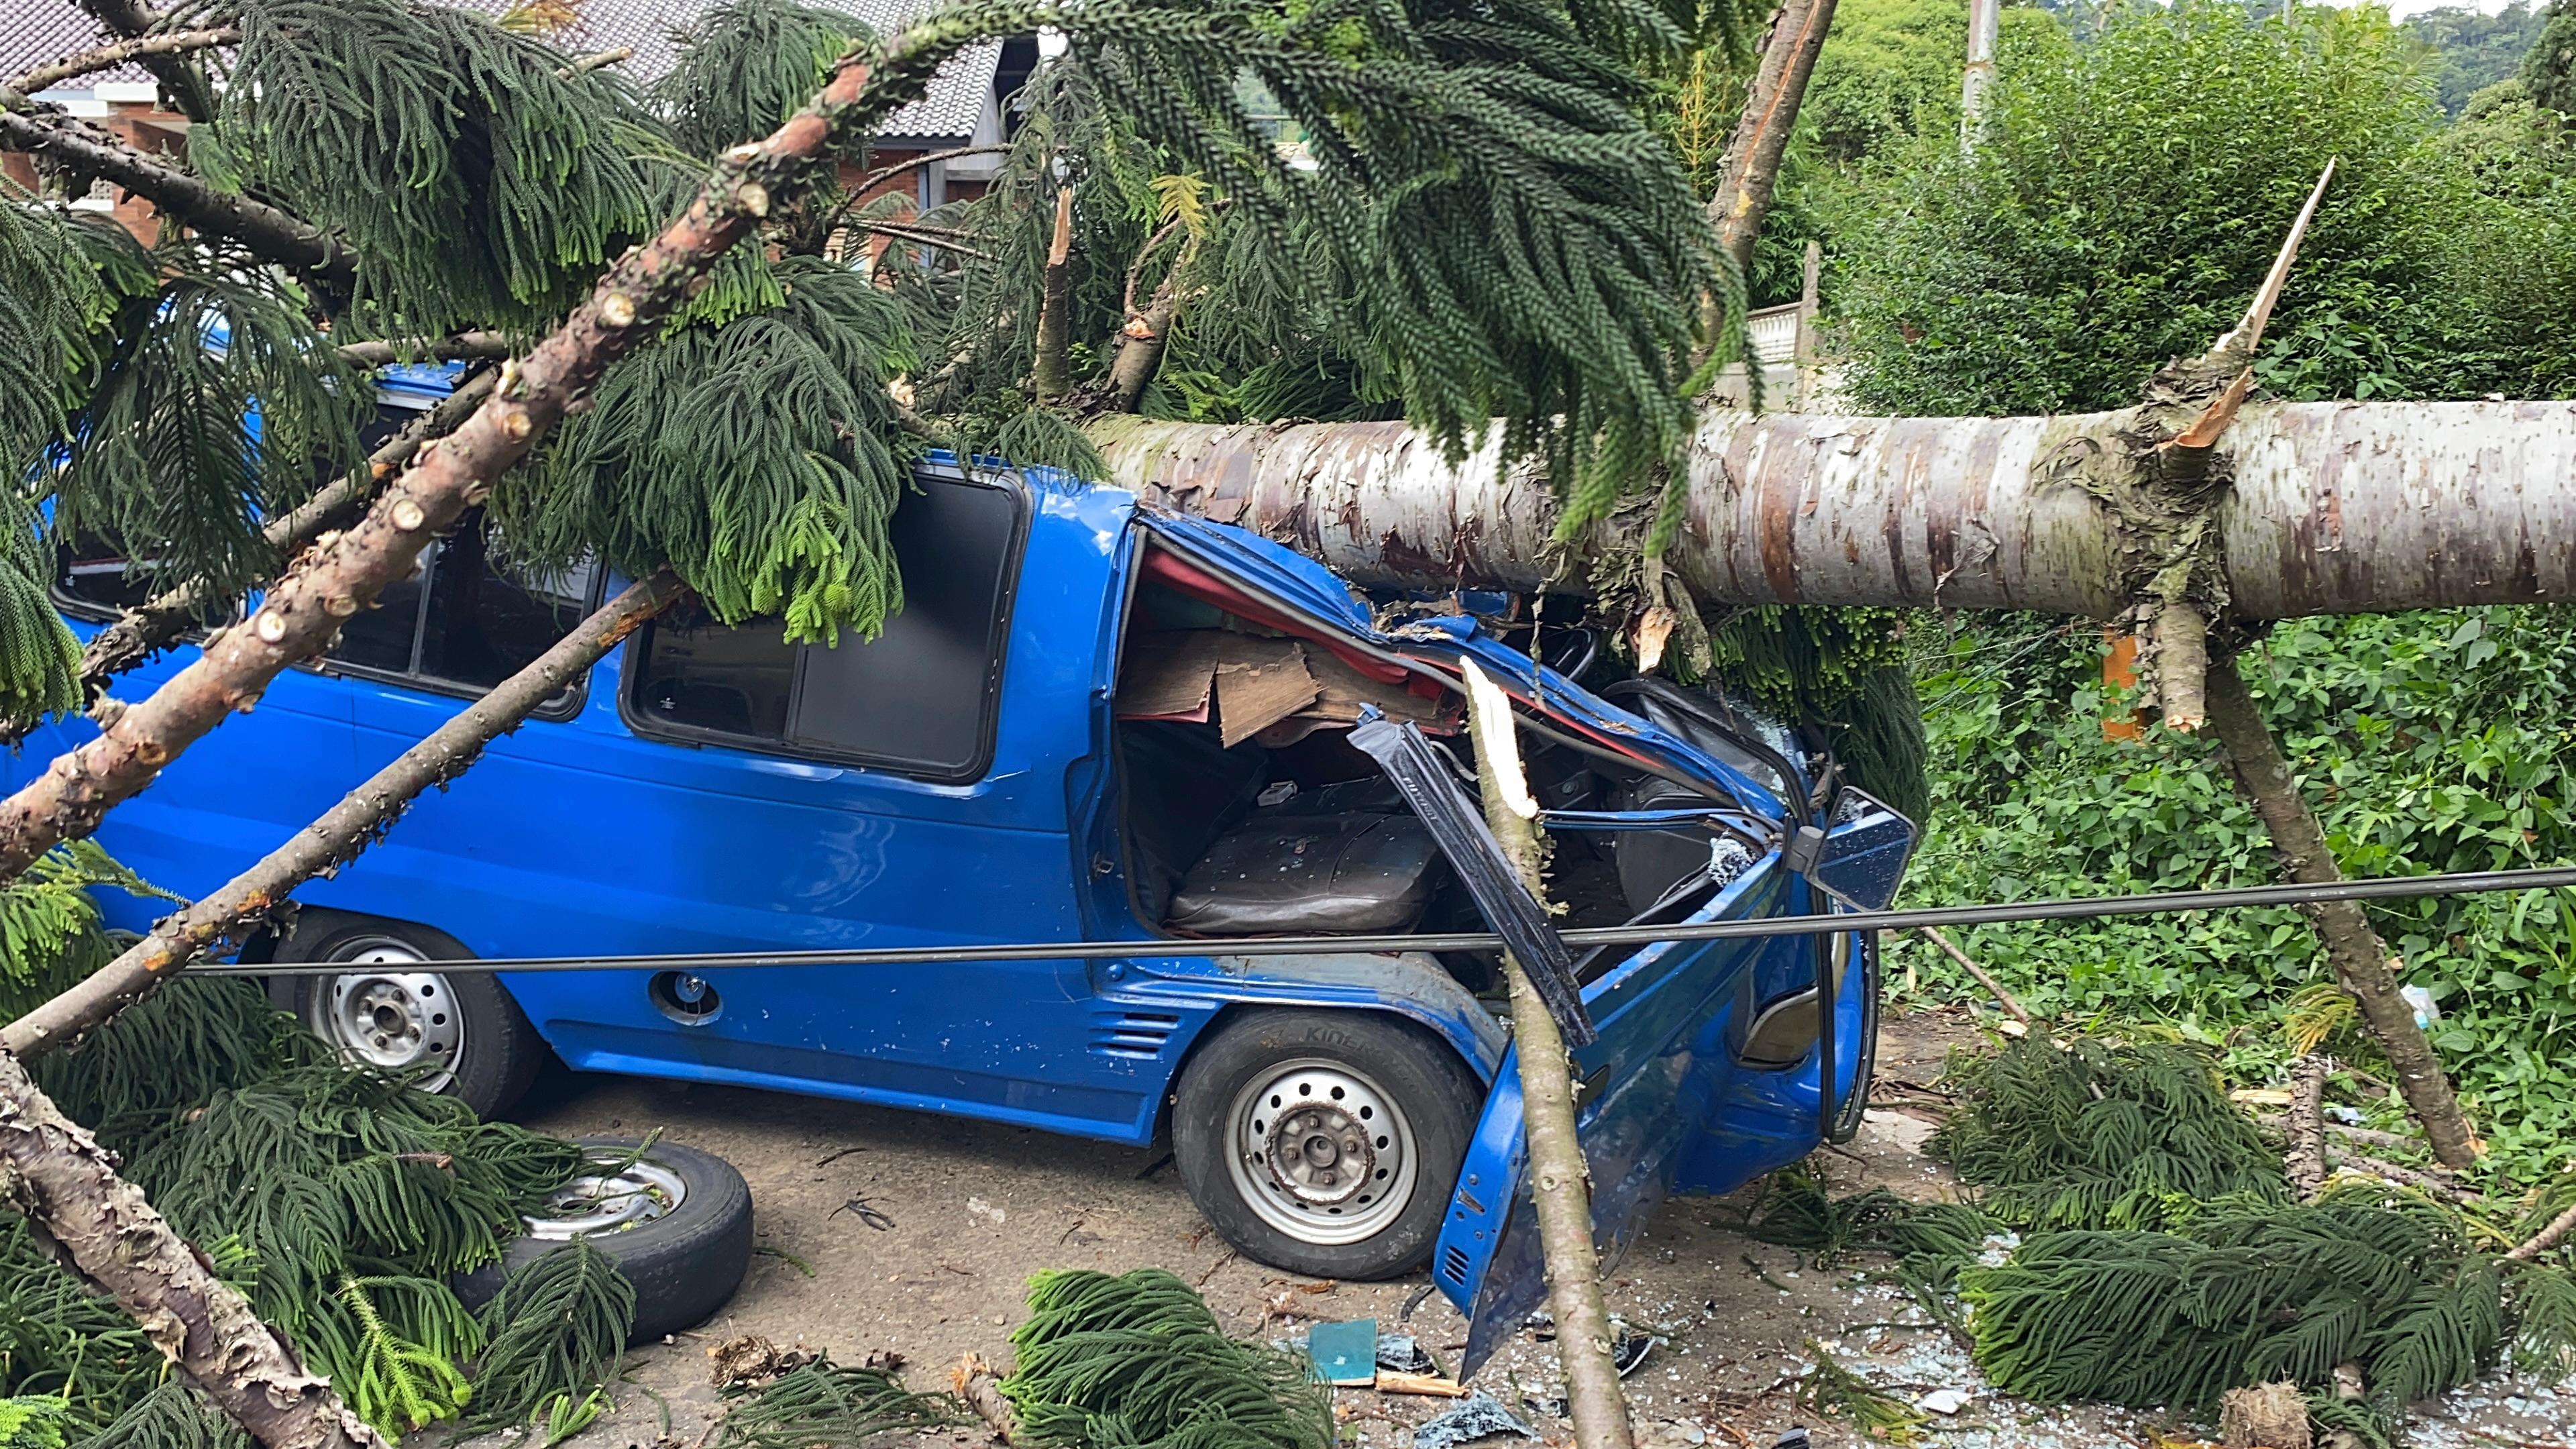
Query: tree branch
pixel 878 178
pixel 1560 1179
pixel 107 57
pixel 1950 948
pixel 2307 1127
pixel 302 614
pixel 1753 154
pixel 63 140
pixel 180 79
pixel 363 815
pixel 1052 373
pixel 2360 960
pixel 101 1228
pixel 152 626
pixel 463 346
pixel 2547 1238
pixel 601 60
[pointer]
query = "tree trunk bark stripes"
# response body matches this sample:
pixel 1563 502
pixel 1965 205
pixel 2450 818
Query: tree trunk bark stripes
pixel 100 1227
pixel 2335 508
pixel 2360 961
pixel 1560 1179
pixel 336 839
pixel 305 610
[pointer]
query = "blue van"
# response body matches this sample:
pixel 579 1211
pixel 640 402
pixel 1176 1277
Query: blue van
pixel 1092 722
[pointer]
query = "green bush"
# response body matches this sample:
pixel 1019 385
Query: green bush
pixel 2427 742
pixel 2129 193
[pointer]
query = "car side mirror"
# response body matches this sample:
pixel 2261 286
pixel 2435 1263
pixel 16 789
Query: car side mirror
pixel 1866 848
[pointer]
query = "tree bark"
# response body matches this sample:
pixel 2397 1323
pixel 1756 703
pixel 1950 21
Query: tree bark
pixel 142 48
pixel 304 611
pixel 2335 508
pixel 2547 1238
pixel 463 347
pixel 1140 352
pixel 152 626
pixel 1752 166
pixel 289 241
pixel 2360 961
pixel 100 1227
pixel 1560 1180
pixel 1054 369
pixel 2307 1127
pixel 362 816
pixel 181 81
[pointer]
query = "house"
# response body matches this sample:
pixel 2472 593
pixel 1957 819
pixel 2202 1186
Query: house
pixel 965 106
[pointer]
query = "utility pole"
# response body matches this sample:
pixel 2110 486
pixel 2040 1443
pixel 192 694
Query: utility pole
pixel 1984 18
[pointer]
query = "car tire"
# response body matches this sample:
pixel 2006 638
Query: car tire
pixel 685 1264
pixel 1325 1142
pixel 463 1033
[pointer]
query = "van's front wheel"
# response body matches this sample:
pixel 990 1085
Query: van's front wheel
pixel 458 1035
pixel 1325 1142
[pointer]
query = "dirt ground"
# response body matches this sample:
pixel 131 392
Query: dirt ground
pixel 976 1208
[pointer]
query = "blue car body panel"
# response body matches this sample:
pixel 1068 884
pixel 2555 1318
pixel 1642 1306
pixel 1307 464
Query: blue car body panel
pixel 579 835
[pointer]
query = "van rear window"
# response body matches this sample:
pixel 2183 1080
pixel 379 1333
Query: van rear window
pixel 918 699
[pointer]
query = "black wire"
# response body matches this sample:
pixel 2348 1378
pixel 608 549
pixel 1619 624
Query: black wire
pixel 2072 909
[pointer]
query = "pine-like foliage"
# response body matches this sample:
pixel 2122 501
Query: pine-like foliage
pixel 747 65
pixel 2238 1297
pixel 214 410
pixel 479 182
pixel 49 922
pixel 2092 1134
pixel 61 1341
pixel 759 459
pixel 33 1423
pixel 52 304
pixel 553 1337
pixel 1136 1360
pixel 169 1417
pixel 825 1405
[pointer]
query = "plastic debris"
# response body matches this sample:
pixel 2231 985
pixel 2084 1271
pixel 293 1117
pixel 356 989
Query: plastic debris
pixel 1628 1349
pixel 1942 1401
pixel 1479 1416
pixel 1793 1437
pixel 1404 1354
pixel 1344 1353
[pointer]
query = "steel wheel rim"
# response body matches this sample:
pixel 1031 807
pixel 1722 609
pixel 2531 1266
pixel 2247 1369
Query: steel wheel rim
pixel 1321 1153
pixel 393 1020
pixel 636 1193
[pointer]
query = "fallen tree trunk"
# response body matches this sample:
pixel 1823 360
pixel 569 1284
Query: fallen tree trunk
pixel 2335 508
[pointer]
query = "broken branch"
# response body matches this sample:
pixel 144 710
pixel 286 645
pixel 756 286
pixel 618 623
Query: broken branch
pixel 465 346
pixel 1053 369
pixel 2012 1007
pixel 2307 1129
pixel 1560 1180
pixel 116 53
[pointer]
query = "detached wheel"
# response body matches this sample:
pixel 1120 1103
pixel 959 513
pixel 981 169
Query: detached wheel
pixel 463 1035
pixel 676 1222
pixel 1325 1142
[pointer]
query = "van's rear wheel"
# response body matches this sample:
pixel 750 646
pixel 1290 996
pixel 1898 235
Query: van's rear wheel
pixel 462 1036
pixel 1325 1142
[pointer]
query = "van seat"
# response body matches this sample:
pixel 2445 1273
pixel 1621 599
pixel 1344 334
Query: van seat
pixel 1295 875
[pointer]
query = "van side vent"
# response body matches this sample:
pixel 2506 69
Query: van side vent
pixel 1135 1035
pixel 1453 1265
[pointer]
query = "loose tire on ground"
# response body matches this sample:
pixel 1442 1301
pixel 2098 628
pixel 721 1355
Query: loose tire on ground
pixel 684 1263
pixel 464 1034
pixel 1325 1142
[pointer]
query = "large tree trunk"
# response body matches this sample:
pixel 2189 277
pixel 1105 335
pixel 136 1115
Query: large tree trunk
pixel 2335 507
pixel 2360 960
pixel 300 616
pixel 100 1227
pixel 363 815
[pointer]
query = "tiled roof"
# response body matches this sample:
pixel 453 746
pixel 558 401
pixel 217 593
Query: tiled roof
pixel 34 32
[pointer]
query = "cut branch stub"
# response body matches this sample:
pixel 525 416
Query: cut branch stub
pixel 2174 479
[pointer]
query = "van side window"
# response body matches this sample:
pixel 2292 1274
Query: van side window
pixel 918 699
pixel 463 620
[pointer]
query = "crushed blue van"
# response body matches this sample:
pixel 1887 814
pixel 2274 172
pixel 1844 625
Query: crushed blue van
pixel 1091 723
